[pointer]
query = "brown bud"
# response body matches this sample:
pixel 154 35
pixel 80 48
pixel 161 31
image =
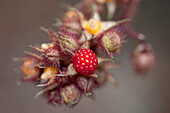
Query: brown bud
pixel 29 69
pixel 143 60
pixel 55 97
pixel 70 94
pixel 50 56
pixel 71 15
pixel 85 84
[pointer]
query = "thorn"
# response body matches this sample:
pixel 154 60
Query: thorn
pixel 41 85
pixel 46 89
pixel 33 54
pixel 36 48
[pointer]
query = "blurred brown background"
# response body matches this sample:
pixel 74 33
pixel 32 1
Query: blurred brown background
pixel 19 27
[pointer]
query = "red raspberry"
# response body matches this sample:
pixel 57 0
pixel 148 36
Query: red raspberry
pixel 85 61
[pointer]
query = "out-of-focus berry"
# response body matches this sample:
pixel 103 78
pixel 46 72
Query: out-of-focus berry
pixel 143 60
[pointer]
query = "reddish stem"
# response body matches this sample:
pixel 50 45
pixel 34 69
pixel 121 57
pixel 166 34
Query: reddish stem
pixel 129 13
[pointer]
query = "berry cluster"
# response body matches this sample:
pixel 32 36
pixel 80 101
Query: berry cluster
pixel 80 53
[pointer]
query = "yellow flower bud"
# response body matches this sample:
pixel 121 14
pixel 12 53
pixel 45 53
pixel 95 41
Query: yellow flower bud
pixel 93 26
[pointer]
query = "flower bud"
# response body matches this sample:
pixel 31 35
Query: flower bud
pixel 112 41
pixel 85 84
pixel 71 23
pixel 93 26
pixel 71 15
pixel 30 69
pixel 70 43
pixel 55 97
pixel 70 94
pixel 143 60
pixel 51 56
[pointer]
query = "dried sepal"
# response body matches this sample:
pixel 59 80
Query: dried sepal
pixel 48 75
pixel 93 75
pixel 85 84
pixel 55 97
pixel 111 8
pixel 85 45
pixel 34 55
pixel 70 71
pixel 48 88
pixel 101 60
pixel 40 50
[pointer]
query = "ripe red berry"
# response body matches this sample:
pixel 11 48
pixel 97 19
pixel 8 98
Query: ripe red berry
pixel 85 61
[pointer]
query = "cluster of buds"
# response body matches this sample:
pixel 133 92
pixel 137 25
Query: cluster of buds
pixel 81 52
